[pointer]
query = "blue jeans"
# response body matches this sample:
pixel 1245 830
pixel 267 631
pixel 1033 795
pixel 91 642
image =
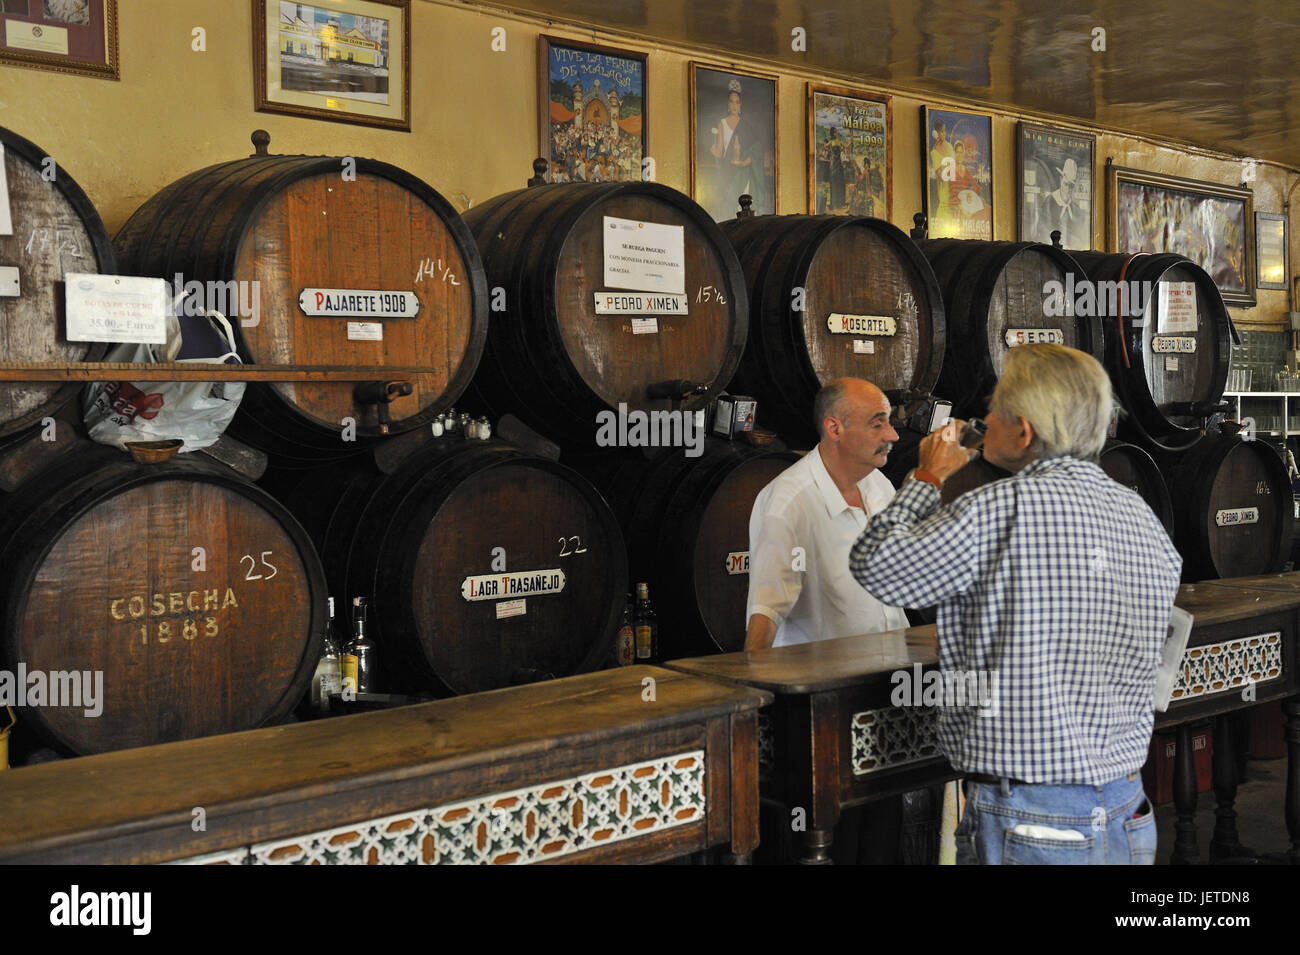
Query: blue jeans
pixel 1116 821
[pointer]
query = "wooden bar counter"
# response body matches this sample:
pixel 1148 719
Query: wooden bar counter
pixel 832 739
pixel 639 764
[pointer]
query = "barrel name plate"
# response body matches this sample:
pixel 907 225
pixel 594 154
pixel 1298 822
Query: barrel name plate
pixel 374 304
pixel 640 303
pixel 528 583
pixel 1237 515
pixel 1033 336
pixel 840 324
pixel 1164 344
pixel 738 562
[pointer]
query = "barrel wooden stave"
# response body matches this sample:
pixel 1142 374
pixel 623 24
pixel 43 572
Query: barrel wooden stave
pixel 293 222
pixel 56 230
pixel 101 575
pixel 550 359
pixel 845 265
pixel 1129 465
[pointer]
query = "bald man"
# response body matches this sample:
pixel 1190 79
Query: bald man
pixel 805 522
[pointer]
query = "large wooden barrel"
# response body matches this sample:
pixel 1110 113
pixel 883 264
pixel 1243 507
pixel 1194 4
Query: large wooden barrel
pixel 552 358
pixel 55 231
pixel 1233 512
pixel 686 522
pixel 196 595
pixel 832 297
pixel 1166 379
pixel 997 296
pixel 486 566
pixel 339 248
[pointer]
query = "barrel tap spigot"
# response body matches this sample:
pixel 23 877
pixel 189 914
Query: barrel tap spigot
pixel 677 390
pixel 381 394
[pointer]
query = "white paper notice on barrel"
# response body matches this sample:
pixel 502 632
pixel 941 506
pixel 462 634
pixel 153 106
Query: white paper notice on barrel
pixel 6 223
pixel 646 256
pixel 1177 307
pixel 116 308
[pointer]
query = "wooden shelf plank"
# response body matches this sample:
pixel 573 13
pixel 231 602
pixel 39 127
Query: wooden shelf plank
pixel 203 371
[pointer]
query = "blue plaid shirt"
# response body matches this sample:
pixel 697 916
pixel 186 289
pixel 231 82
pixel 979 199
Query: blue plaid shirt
pixel 1056 583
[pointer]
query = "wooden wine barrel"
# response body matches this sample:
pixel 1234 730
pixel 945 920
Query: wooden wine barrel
pixel 486 566
pixel 833 297
pixel 1129 465
pixel 1233 512
pixel 556 363
pixel 55 231
pixel 100 570
pixel 686 522
pixel 1164 392
pixel 313 231
pixel 997 295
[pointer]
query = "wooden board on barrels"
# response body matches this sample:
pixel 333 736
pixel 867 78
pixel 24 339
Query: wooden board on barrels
pixel 1233 514
pixel 196 596
pixel 486 567
pixel 997 296
pixel 371 269
pixel 833 297
pixel 552 358
pixel 56 230
pixel 1168 350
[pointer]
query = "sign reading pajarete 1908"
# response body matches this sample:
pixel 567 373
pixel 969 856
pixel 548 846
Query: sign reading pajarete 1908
pixel 358 303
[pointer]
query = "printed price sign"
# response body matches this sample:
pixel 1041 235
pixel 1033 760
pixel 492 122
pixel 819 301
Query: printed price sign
pixel 116 308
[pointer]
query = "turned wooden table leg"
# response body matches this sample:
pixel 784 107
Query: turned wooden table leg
pixel 817 847
pixel 1291 708
pixel 1225 844
pixel 1185 851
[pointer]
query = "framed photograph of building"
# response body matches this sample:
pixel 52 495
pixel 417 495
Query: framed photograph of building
pixel 733 140
pixel 957 156
pixel 66 36
pixel 1057 186
pixel 1270 250
pixel 850 153
pixel 342 60
pixel 1210 223
pixel 593 121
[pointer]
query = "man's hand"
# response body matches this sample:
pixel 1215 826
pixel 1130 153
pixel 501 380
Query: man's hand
pixel 761 632
pixel 940 453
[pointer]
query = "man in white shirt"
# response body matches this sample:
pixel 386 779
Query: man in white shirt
pixel 805 522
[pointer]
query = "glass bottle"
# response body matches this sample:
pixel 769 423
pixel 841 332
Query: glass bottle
pixel 360 660
pixel 646 627
pixel 625 642
pixel 328 678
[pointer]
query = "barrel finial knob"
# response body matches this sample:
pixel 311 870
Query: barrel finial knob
pixel 261 139
pixel 920 230
pixel 540 166
pixel 1056 239
pixel 746 206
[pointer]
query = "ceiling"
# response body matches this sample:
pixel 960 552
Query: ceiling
pixel 1213 73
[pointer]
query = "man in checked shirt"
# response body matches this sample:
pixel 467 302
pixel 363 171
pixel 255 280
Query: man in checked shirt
pixel 1054 584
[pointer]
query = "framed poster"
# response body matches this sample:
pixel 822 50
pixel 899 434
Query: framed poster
pixel 957 156
pixel 1209 223
pixel 733 140
pixel 67 36
pixel 593 120
pixel 850 153
pixel 1270 250
pixel 340 60
pixel 1057 187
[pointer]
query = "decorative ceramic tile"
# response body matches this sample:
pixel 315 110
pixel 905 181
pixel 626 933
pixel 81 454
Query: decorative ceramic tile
pixel 1230 665
pixel 545 821
pixel 882 739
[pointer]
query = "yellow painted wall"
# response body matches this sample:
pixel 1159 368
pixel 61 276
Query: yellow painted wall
pixel 474 118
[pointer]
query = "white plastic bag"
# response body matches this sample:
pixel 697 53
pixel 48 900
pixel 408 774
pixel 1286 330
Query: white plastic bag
pixel 197 412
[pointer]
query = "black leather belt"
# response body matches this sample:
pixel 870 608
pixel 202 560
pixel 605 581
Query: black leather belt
pixel 993 780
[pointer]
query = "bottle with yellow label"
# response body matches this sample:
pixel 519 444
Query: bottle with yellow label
pixel 646 627
pixel 625 642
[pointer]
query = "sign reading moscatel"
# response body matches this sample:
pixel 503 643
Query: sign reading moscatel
pixel 528 583
pixel 840 324
pixel 374 304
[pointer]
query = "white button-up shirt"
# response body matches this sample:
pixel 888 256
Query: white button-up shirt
pixel 800 534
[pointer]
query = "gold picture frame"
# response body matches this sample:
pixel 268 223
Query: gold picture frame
pixel 713 85
pixel 345 61
pixel 865 122
pixel 64 36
